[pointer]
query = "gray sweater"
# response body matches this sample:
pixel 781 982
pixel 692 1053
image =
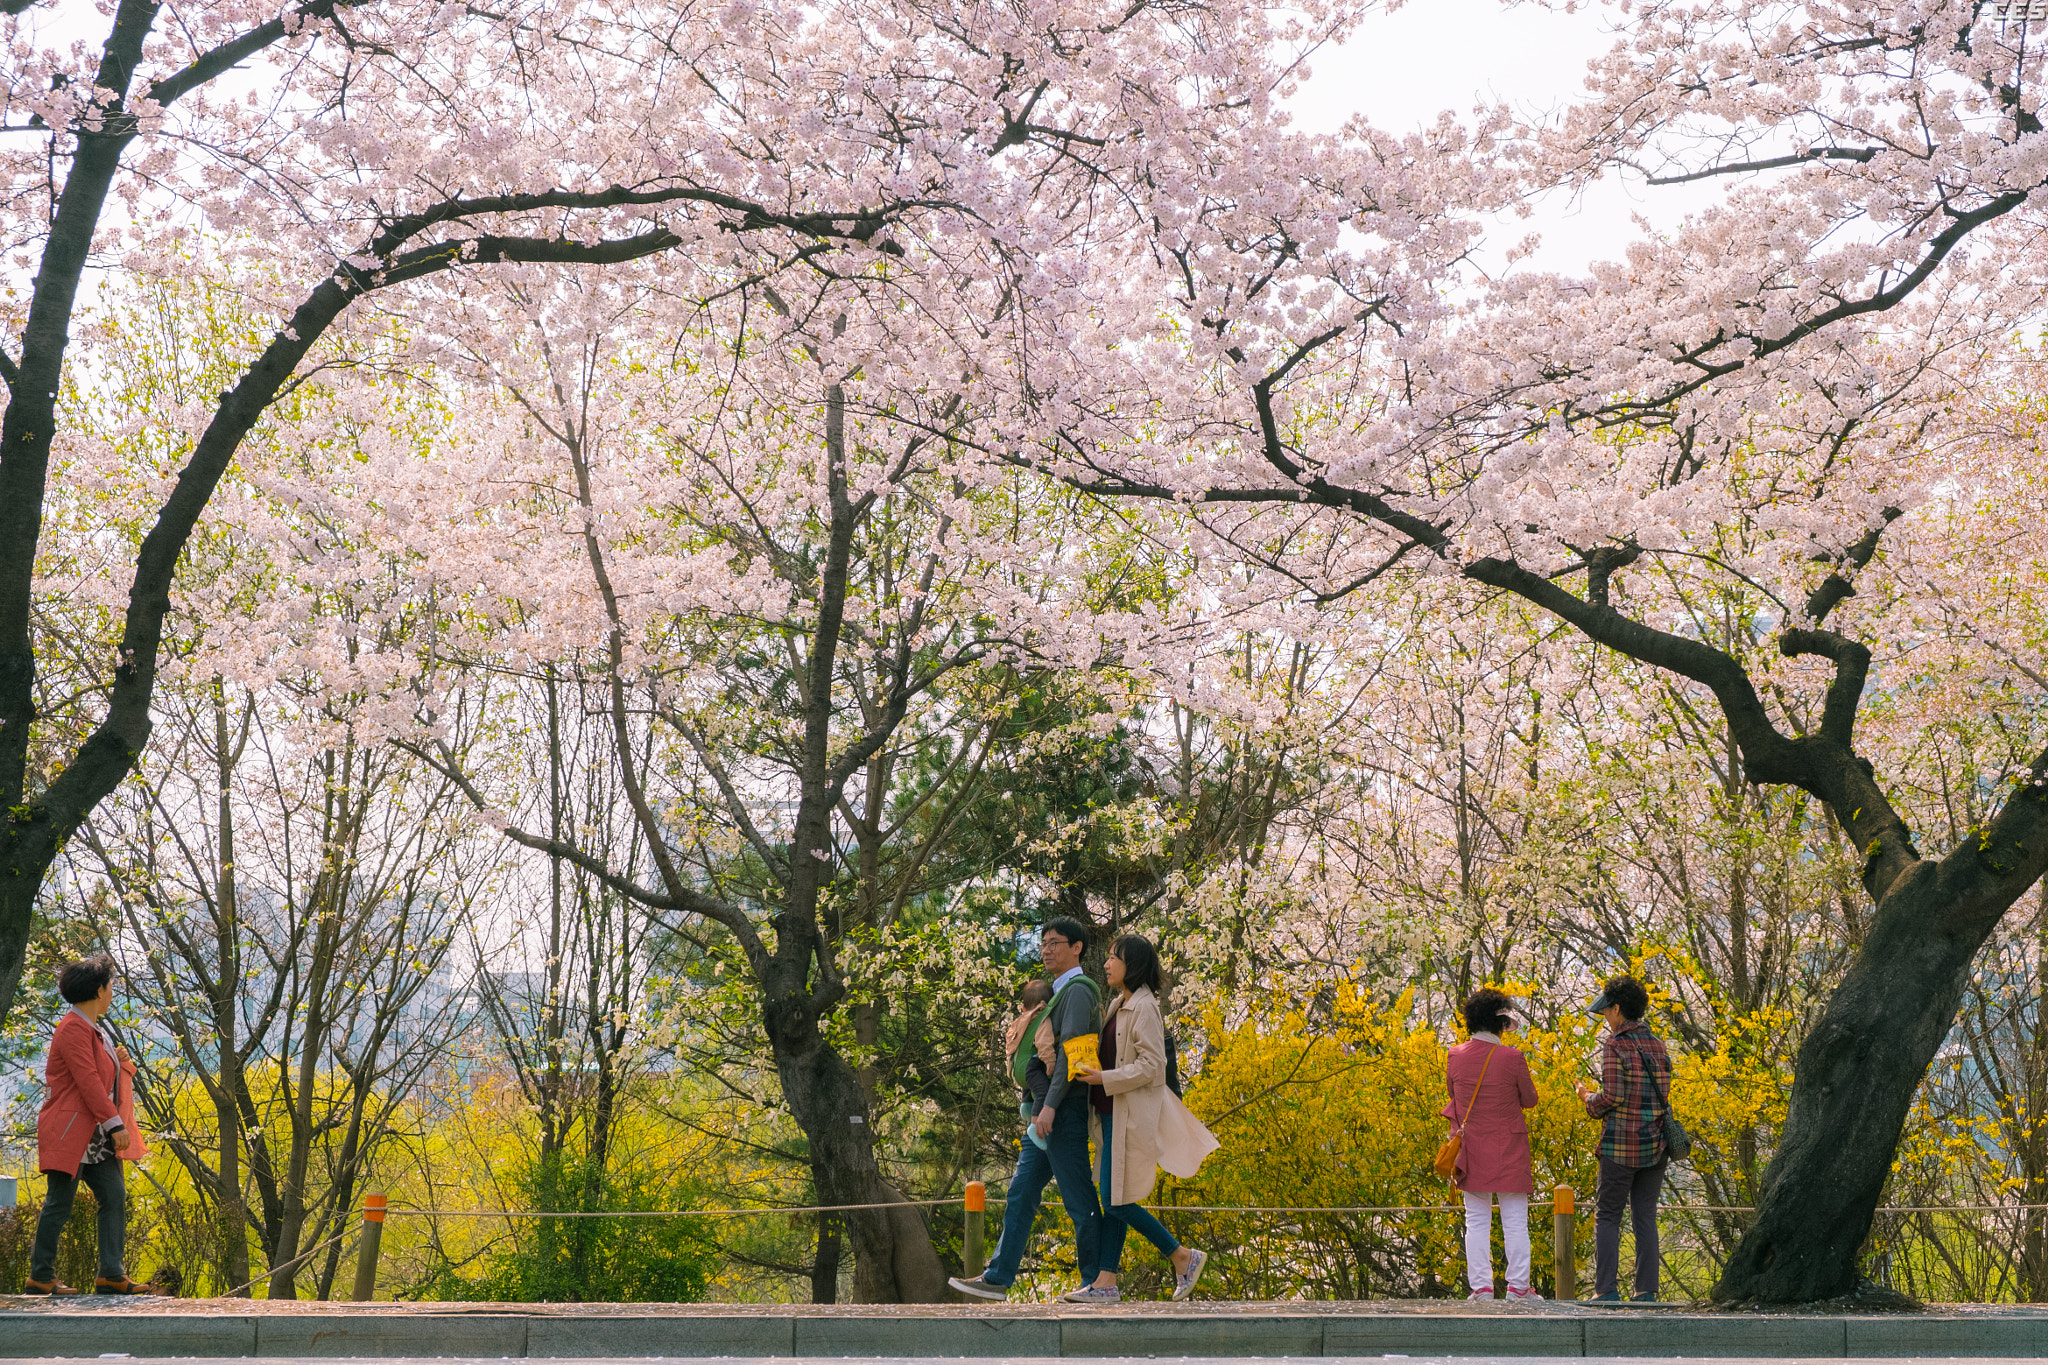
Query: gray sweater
pixel 1074 1012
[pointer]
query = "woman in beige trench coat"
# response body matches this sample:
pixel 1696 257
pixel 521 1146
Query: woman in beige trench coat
pixel 1144 1125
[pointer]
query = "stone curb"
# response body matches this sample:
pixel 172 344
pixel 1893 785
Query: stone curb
pixel 1645 1335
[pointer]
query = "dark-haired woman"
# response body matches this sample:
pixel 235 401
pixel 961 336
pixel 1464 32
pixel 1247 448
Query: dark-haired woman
pixel 1144 1125
pixel 1490 1088
pixel 1632 1100
pixel 80 1136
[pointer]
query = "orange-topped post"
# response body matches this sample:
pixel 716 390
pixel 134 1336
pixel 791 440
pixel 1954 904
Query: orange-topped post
pixel 971 1255
pixel 1564 1244
pixel 374 1206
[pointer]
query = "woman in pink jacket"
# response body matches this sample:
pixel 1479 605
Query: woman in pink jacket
pixel 1490 1087
pixel 81 1137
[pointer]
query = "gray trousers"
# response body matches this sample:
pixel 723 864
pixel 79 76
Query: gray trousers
pixel 1636 1188
pixel 110 1192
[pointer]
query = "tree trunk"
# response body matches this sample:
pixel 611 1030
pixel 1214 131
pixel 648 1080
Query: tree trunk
pixel 233 1216
pixel 1853 1085
pixel 2030 1143
pixel 330 890
pixel 227 1004
pixel 825 1265
pixel 893 1258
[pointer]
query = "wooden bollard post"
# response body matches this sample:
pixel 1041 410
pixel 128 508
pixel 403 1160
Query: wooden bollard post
pixel 971 1254
pixel 366 1255
pixel 1564 1216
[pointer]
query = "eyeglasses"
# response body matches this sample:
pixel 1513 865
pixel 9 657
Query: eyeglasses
pixel 1054 941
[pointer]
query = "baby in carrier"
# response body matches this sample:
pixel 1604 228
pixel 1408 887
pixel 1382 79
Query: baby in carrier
pixel 1027 1051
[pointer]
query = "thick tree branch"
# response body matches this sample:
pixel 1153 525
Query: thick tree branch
pixel 1601 566
pixel 1996 863
pixel 1845 693
pixel 799 937
pixel 1836 588
pixel 1817 764
pixel 217 61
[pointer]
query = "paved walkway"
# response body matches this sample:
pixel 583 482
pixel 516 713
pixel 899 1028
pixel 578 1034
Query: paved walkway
pixel 149 1328
pixel 1194 1308
pixel 1047 1360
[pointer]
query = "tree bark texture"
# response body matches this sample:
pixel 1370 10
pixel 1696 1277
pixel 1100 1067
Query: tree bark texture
pixel 825 1264
pixel 1854 1080
pixel 893 1257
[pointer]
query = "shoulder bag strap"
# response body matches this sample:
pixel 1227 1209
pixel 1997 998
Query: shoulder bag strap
pixel 1650 1075
pixel 1084 982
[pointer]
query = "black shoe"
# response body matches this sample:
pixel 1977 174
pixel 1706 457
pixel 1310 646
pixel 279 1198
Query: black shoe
pixel 1611 1296
pixel 1644 1298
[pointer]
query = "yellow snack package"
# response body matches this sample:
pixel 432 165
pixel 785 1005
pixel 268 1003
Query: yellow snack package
pixel 1082 1054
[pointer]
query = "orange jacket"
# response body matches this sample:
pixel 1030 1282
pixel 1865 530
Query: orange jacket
pixel 79 1079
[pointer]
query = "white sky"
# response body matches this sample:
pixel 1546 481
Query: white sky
pixel 1401 69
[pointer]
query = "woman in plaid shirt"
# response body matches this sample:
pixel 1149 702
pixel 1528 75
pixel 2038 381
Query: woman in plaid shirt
pixel 1632 1098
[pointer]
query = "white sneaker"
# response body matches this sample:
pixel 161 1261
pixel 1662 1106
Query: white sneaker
pixel 1486 1294
pixel 980 1288
pixel 1184 1283
pixel 1524 1295
pixel 1094 1293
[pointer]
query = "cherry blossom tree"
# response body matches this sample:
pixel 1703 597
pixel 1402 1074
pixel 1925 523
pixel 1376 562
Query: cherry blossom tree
pixel 764 572
pixel 867 240
pixel 149 127
pixel 964 162
pixel 1743 397
pixel 282 885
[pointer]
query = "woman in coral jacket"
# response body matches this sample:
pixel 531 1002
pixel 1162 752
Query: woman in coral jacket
pixel 80 1136
pixel 1490 1088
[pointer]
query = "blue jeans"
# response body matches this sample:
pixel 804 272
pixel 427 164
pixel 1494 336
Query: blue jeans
pixel 1118 1218
pixel 1064 1159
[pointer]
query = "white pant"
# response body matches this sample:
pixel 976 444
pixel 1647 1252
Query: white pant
pixel 1514 1228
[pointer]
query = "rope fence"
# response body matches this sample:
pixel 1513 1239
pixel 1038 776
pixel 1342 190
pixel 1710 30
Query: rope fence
pixel 409 1211
pixel 294 1263
pixel 396 1211
pixel 1686 1256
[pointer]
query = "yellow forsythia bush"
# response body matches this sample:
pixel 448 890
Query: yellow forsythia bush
pixel 1349 1117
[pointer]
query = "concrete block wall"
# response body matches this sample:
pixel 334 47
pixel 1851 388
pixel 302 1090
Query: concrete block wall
pixel 1082 1334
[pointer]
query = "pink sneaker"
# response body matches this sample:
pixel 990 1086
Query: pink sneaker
pixel 1524 1295
pixel 1486 1294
